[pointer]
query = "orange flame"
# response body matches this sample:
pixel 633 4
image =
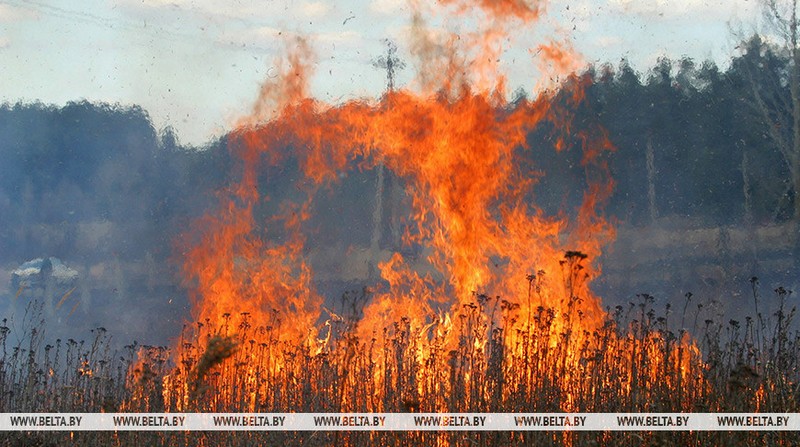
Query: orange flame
pixel 493 260
pixel 527 10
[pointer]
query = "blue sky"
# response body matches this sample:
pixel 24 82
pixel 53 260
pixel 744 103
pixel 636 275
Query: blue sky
pixel 197 65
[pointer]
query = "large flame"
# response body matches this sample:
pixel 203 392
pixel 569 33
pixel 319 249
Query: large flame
pixel 492 260
pixel 458 147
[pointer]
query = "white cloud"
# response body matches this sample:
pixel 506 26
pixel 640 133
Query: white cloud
pixel 387 7
pixel 340 37
pixel 608 41
pixel 10 13
pixel 313 10
pixel 4 42
pixel 694 9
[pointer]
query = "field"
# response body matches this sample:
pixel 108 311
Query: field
pixel 489 357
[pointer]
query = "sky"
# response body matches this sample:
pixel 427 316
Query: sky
pixel 197 65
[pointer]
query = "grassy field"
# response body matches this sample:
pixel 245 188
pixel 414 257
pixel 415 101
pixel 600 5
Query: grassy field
pixel 488 358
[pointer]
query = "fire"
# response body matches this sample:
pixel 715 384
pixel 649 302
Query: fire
pixel 502 289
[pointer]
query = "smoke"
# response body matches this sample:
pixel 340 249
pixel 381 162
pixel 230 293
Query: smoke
pixel 94 186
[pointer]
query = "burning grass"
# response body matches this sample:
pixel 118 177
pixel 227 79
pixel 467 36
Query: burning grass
pixel 639 360
pixel 464 333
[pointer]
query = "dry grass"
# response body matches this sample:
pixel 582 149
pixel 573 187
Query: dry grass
pixel 639 360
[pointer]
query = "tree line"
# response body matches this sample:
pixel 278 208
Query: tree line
pixel 691 140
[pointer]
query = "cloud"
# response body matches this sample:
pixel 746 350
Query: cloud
pixel 314 9
pixel 10 13
pixel 387 7
pixel 608 41
pixel 695 9
pixel 4 42
pixel 340 37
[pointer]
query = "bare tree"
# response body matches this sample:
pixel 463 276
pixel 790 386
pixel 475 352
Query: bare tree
pixel 782 114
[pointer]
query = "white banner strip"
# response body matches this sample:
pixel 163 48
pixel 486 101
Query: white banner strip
pixel 400 421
